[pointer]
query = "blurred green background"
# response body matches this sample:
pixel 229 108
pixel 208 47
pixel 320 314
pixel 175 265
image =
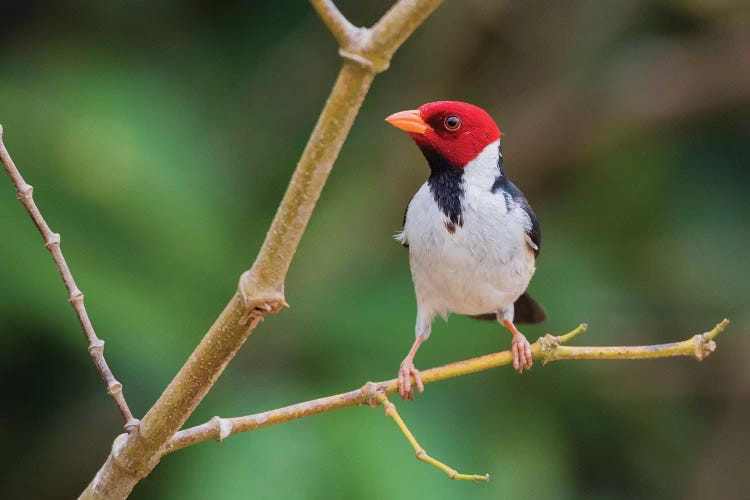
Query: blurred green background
pixel 159 137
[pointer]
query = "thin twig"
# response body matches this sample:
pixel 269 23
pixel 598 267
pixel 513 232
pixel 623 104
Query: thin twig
pixel 390 410
pixel 545 349
pixel 24 193
pixel 342 30
pixel 399 23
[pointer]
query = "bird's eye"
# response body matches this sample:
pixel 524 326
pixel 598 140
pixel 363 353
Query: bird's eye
pixel 452 122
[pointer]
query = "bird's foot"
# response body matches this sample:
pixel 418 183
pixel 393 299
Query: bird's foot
pixel 521 352
pixel 405 373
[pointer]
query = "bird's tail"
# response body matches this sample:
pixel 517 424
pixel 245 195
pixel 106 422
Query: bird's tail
pixel 526 310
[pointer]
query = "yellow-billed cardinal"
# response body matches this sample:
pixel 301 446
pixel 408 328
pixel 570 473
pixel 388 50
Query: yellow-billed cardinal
pixel 472 236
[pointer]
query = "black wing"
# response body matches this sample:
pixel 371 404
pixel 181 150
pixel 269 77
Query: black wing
pixel 526 309
pixel 510 190
pixel 403 226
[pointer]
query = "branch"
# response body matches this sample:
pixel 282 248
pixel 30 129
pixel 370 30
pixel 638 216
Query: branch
pixel 545 350
pixel 398 24
pixel 261 288
pixel 342 30
pixel 390 410
pixel 24 193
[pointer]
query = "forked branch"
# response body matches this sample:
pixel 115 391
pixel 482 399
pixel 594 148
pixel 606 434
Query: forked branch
pixel 24 193
pixel 546 349
pixel 261 288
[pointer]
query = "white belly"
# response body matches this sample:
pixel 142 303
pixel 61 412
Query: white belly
pixel 484 266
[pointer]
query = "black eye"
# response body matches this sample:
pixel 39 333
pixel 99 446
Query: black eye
pixel 452 122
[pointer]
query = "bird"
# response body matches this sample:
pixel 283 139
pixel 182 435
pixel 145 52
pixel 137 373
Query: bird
pixel 473 238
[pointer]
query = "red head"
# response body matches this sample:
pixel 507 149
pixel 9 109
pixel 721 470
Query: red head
pixel 457 131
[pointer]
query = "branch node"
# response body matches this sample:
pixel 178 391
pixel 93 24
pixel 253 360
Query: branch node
pixel 704 343
pixel 223 427
pixel 96 345
pixel 76 298
pixel 258 303
pixel 25 192
pixel 133 467
pixel 704 346
pixel 369 63
pixel 370 391
pixel 54 239
pixel 549 343
pixel 376 393
pixel 132 424
pixel 114 387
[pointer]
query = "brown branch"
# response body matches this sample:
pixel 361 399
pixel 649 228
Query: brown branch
pixel 261 289
pixel 342 30
pixel 398 24
pixel 24 193
pixel 546 349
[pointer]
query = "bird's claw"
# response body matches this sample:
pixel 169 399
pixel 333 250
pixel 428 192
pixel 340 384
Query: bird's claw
pixel 405 373
pixel 521 353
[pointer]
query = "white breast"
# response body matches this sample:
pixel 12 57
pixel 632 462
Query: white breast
pixel 484 265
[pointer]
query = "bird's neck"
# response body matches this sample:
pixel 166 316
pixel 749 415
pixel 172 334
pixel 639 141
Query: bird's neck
pixel 448 184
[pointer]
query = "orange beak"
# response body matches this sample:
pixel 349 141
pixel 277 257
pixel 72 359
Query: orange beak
pixel 410 121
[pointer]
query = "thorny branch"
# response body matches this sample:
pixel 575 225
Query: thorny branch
pixel 545 350
pixel 24 193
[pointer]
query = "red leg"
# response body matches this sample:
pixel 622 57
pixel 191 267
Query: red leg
pixel 521 348
pixel 408 370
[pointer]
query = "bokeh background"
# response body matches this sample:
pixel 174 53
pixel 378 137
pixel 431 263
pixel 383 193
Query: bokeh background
pixel 160 136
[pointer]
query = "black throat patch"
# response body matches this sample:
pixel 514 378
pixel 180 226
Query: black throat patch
pixel 446 186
